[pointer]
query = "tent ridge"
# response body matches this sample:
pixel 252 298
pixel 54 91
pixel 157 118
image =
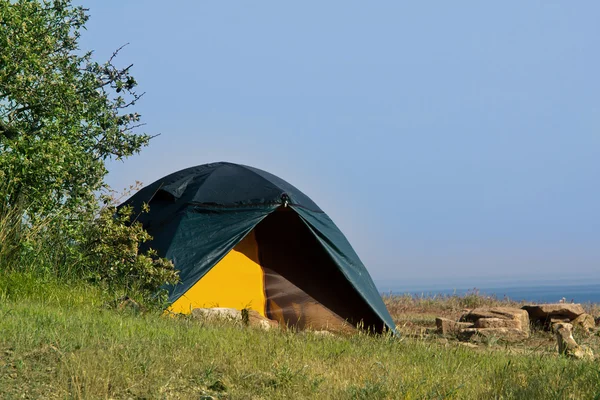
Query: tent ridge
pixel 250 205
pixel 233 205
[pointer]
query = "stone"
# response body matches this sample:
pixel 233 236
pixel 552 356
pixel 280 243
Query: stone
pixel 558 310
pixel 583 353
pixel 555 320
pixel 217 313
pixel 511 335
pixel 566 343
pixel 252 318
pixel 323 333
pixel 430 331
pixel 497 323
pixel 466 334
pixel 258 321
pixel 447 326
pixel 509 313
pixel 585 321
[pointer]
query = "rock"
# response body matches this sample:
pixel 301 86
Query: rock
pixel 555 320
pixel 567 344
pixel 559 310
pixel 251 318
pixel 257 320
pixel 447 326
pixel 323 333
pixel 466 334
pixel 497 323
pixel 509 313
pixel 583 353
pixel 217 313
pixel 585 321
pixel 511 335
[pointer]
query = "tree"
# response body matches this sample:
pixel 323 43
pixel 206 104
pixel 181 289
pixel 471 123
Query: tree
pixel 62 115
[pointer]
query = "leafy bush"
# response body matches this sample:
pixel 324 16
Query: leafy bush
pixel 110 251
pixel 105 251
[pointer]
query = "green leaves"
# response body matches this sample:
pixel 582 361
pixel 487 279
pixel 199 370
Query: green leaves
pixel 62 115
pixel 110 249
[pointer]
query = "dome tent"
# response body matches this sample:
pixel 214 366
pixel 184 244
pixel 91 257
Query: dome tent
pixel 244 238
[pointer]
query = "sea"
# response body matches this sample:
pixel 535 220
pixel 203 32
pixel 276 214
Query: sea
pixel 576 293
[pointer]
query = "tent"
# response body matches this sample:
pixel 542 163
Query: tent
pixel 244 238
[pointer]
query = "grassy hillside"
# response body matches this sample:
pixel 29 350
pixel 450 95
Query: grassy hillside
pixel 61 340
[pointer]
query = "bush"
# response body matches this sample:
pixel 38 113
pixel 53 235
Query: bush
pixel 111 256
pixel 104 250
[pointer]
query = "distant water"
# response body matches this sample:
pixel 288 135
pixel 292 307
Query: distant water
pixel 543 294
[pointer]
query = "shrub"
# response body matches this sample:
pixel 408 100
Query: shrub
pixel 111 256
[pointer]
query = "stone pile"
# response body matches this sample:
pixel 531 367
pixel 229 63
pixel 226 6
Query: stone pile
pixel 511 324
pixel 508 324
pixel 548 315
pixel 561 318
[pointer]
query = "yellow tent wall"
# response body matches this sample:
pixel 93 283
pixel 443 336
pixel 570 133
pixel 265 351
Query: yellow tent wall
pixel 235 282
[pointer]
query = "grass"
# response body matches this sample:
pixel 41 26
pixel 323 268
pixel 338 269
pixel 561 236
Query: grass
pixel 62 340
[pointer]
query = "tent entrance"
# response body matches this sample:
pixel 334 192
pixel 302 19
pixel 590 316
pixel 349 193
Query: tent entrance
pixel 281 270
pixel 303 286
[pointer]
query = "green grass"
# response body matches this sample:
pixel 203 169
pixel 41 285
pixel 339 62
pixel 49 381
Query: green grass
pixel 60 340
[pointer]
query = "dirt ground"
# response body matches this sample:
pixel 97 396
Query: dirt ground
pixel 415 318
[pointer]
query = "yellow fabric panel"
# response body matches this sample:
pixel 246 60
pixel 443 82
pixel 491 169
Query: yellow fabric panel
pixel 235 282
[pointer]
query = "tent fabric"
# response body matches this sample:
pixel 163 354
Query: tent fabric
pixel 348 262
pixel 198 215
pixel 302 283
pixel 239 272
pixel 204 236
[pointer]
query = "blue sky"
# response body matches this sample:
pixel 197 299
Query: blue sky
pixel 454 143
